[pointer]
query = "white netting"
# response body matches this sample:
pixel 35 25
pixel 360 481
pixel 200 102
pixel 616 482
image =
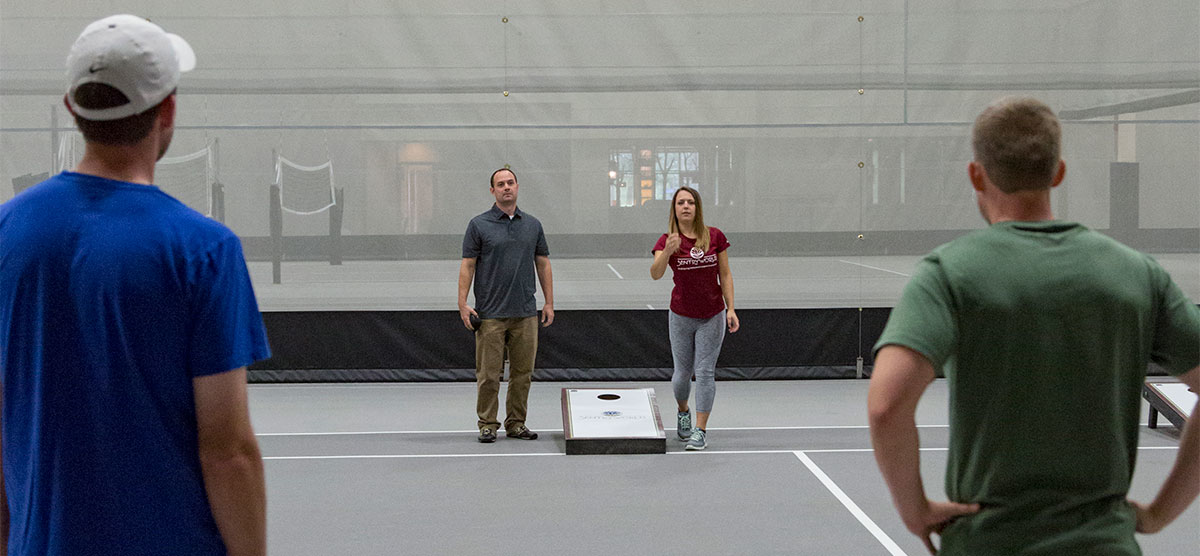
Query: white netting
pixel 188 178
pixel 304 189
pixel 70 151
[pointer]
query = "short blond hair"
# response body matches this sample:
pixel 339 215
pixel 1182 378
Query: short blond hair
pixel 1018 140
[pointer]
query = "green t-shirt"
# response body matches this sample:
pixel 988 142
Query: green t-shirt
pixel 1044 331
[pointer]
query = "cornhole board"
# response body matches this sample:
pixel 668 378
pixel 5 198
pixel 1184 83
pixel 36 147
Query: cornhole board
pixel 612 421
pixel 1171 398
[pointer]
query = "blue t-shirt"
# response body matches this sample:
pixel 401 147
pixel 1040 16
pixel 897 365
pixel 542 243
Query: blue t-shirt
pixel 113 297
pixel 505 250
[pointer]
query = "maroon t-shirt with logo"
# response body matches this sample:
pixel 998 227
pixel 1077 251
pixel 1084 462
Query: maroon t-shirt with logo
pixel 697 292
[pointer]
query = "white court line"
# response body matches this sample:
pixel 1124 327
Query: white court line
pixel 678 453
pixel 368 386
pixel 473 431
pixel 852 450
pixel 882 537
pixel 814 451
pixel 874 267
pixel 815 427
pixel 1144 425
pixel 410 456
pixel 533 454
pixel 367 433
pixel 610 267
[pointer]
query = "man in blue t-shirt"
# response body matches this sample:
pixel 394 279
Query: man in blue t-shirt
pixel 126 323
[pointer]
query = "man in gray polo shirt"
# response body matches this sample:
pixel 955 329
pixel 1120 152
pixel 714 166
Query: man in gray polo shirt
pixel 501 250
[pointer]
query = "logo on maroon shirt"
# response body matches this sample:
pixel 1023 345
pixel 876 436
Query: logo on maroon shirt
pixel 696 253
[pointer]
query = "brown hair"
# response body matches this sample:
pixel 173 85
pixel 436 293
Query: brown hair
pixel 1018 140
pixel 123 131
pixel 698 226
pixel 492 182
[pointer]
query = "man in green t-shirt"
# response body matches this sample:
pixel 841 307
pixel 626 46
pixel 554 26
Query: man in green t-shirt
pixel 1044 330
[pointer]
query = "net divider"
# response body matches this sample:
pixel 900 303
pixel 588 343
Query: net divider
pixel 209 172
pixel 328 167
pixel 187 157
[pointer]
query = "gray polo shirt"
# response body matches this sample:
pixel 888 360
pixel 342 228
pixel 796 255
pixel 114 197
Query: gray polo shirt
pixel 504 249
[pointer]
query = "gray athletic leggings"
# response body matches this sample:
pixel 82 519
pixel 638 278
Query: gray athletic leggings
pixel 695 345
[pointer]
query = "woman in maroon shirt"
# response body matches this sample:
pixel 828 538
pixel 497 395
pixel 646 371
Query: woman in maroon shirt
pixel 701 307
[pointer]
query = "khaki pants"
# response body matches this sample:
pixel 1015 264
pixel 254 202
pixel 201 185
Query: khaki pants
pixel 519 336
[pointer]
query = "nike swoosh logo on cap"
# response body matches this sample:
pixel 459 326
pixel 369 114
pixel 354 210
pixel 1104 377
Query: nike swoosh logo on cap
pixel 95 67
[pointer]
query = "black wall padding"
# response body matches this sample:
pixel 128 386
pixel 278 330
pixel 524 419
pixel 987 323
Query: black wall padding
pixel 309 340
pixel 601 345
pixel 612 338
pixel 347 346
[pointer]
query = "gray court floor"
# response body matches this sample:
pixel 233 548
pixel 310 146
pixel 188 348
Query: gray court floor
pixel 374 469
pixel 760 282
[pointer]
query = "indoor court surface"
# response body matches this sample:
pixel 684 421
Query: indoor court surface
pixel 384 469
pixel 760 282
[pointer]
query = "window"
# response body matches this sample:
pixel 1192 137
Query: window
pixel 620 177
pixel 637 176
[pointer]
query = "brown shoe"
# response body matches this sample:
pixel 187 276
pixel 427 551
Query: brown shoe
pixel 522 433
pixel 487 436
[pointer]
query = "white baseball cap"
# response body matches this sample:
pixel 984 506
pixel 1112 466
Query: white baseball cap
pixel 132 55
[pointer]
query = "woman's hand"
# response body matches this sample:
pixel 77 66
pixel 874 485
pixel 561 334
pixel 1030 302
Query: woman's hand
pixel 731 321
pixel 672 244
